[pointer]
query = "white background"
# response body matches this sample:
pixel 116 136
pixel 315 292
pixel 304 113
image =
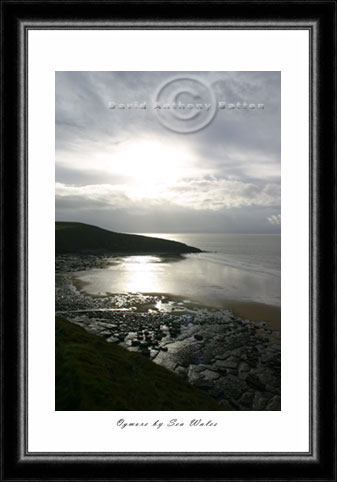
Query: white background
pixel 285 51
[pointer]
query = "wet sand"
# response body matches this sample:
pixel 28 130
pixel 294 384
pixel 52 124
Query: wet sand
pixel 200 280
pixel 244 309
pixel 256 312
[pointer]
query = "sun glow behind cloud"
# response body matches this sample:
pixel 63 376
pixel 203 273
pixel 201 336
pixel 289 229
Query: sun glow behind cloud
pixel 151 167
pixel 157 172
pixel 123 170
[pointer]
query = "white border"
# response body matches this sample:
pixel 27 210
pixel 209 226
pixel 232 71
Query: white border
pixel 285 51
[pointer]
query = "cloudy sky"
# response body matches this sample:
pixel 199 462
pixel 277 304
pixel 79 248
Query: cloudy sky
pixel 128 169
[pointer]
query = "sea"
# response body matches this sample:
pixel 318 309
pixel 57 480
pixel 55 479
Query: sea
pixel 232 267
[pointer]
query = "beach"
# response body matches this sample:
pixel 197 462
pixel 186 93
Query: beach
pixel 174 311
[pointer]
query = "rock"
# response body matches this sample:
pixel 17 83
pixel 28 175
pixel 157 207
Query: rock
pixel 275 403
pixel 243 370
pixel 234 405
pixel 194 373
pixel 261 400
pixel 230 386
pixel 145 344
pixel 226 405
pixel 165 360
pixel 198 337
pixel 174 333
pixel 210 374
pixel 203 383
pixel 255 382
pixel 181 371
pixel 201 377
pixel 230 362
pixel 237 352
pixel 221 357
pixel 153 353
pixel 268 378
pixel 252 361
pixel 275 363
pixel 247 399
pixel 217 392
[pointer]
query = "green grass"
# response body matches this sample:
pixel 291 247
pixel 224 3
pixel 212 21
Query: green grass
pixel 84 238
pixel 92 374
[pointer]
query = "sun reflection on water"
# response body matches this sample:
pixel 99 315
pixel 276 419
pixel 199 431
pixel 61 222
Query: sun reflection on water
pixel 141 273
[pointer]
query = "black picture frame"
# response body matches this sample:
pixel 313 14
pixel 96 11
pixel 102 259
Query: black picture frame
pixel 319 17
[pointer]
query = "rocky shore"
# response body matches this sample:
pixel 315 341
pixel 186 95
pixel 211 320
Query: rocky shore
pixel 234 360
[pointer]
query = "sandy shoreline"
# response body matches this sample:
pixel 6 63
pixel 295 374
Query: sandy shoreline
pixel 244 309
pixel 256 312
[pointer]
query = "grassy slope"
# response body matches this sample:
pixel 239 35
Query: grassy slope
pixel 79 237
pixel 92 374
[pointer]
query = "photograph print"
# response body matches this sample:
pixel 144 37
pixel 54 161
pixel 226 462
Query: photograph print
pixel 168 241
